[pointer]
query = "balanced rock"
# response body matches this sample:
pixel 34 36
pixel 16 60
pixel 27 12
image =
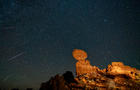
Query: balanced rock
pixel 116 76
pixel 83 66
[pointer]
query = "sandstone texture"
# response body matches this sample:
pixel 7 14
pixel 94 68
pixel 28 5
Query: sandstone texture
pixel 84 67
pixel 116 76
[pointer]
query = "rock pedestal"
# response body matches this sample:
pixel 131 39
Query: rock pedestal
pixel 116 76
pixel 84 67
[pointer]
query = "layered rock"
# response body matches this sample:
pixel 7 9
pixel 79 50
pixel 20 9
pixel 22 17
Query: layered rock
pixel 116 76
pixel 91 81
pixel 119 68
pixel 84 67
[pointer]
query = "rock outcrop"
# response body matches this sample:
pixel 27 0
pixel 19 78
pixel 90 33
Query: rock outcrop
pixel 116 76
pixel 59 82
pixel 119 68
pixel 83 66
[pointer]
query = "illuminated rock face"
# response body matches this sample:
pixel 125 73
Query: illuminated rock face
pixel 120 68
pixel 116 76
pixel 84 67
pixel 79 54
pixel 116 68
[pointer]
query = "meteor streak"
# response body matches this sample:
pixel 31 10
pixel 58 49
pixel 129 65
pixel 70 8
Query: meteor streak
pixel 15 56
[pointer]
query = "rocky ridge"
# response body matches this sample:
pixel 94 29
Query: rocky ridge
pixel 116 76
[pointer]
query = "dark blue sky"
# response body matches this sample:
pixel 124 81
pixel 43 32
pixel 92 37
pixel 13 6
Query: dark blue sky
pixel 37 37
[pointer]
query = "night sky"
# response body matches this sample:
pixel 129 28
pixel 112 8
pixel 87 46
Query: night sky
pixel 37 37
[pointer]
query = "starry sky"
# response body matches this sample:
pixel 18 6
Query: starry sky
pixel 37 37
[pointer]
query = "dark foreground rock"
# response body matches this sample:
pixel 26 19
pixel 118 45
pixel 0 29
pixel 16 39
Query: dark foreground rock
pixel 59 82
pixel 92 81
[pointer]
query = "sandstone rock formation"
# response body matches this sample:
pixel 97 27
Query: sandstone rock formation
pixel 82 66
pixel 116 76
pixel 119 68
